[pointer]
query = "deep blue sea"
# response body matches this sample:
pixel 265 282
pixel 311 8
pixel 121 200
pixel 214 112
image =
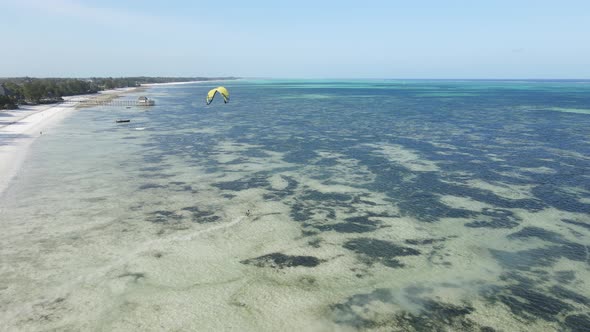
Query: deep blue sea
pixel 374 205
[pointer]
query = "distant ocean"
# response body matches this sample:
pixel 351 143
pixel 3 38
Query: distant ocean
pixel 382 205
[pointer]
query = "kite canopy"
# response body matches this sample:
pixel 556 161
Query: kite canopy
pixel 222 91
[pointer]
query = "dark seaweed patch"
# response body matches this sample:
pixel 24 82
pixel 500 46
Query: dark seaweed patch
pixel 364 220
pixel 560 199
pixel 299 212
pixel 164 217
pixel 527 296
pixel 378 248
pixel 180 186
pixel 436 257
pixel 393 263
pixel 486 329
pixel 201 217
pixel 436 313
pixel 316 243
pixel 525 280
pixel 150 186
pixel 255 153
pixel 323 197
pixel 331 213
pixel 427 207
pixel 431 316
pixel 574 251
pixel 236 161
pixel 528 303
pixel 327 162
pixel 491 224
pixel 495 218
pixel 360 224
pixel 382 215
pixel 256 181
pixel 374 250
pixel 303 155
pixel 291 183
pixel 271 197
pixel 423 241
pixel 306 213
pixel 309 232
pixel 538 232
pixel 203 220
pixel 347 228
pixel 564 293
pixel 545 256
pixel 279 261
pixel 153 159
pixel 577 223
pixel 565 277
pixel 161 176
pixel 540 257
pixel 307 282
pixel 578 322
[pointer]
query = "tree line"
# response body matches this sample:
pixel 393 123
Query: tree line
pixel 26 90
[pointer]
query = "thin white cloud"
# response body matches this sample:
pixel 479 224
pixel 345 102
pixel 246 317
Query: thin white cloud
pixel 96 15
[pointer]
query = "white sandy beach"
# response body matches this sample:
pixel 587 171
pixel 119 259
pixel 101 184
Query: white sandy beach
pixel 21 127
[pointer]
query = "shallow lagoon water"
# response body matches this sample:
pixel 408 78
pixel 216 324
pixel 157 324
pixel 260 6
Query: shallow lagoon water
pixel 315 205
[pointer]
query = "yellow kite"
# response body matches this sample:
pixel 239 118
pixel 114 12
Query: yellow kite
pixel 222 91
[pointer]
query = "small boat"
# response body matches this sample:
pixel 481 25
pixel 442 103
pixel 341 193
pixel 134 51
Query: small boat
pixel 121 121
pixel 145 101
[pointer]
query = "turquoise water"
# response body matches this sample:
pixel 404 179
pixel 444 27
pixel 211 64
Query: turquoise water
pixel 317 205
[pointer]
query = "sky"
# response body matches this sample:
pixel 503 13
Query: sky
pixel 296 39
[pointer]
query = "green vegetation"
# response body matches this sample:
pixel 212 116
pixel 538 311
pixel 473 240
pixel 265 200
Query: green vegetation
pixel 6 103
pixel 26 90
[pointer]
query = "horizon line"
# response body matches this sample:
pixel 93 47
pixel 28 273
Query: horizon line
pixel 306 78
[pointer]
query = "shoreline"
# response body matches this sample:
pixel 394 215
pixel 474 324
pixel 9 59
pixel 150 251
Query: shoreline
pixel 21 127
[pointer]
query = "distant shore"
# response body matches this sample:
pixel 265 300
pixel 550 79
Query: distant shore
pixel 21 127
pixel 173 83
pixel 188 82
pixel 16 91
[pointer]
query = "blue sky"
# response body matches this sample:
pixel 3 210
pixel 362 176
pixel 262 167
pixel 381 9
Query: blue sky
pixel 297 39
